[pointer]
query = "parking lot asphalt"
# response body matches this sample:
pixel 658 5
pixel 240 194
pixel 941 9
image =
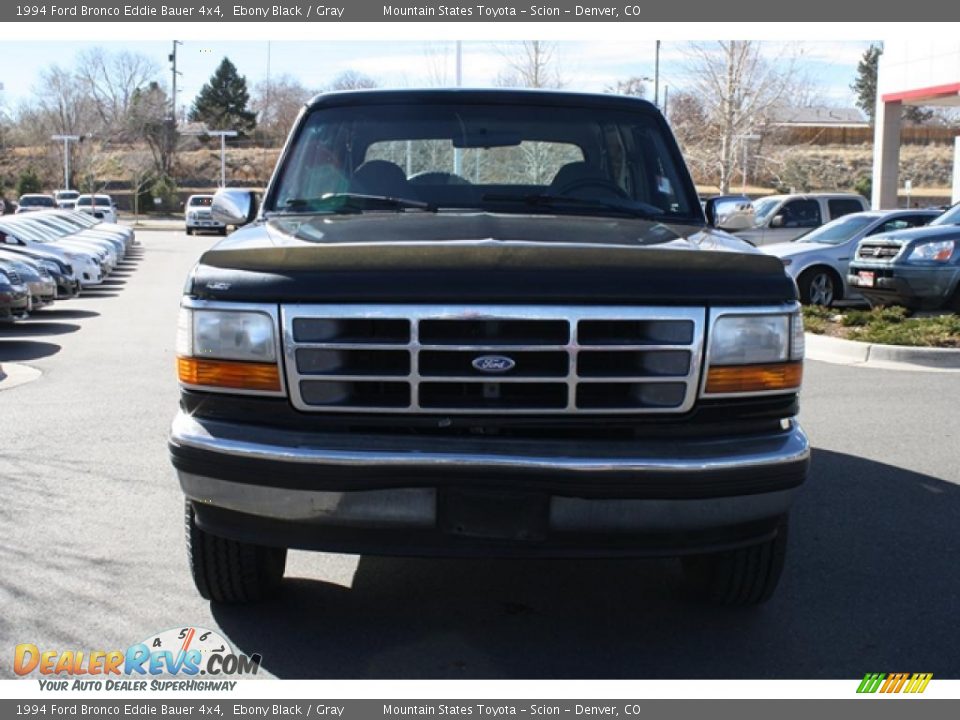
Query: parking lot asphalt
pixel 92 553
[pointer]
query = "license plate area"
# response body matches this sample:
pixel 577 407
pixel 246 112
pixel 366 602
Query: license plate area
pixel 494 515
pixel 866 278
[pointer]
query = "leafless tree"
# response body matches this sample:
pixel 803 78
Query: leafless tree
pixel 141 168
pixel 633 86
pixel 437 56
pixel 688 118
pixel 529 64
pixel 59 104
pixel 352 80
pixel 738 85
pixel 277 102
pixel 111 81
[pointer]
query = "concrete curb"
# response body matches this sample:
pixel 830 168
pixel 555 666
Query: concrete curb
pixel 887 357
pixel 13 375
pixel 156 226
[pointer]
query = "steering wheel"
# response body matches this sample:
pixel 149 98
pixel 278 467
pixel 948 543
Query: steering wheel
pixel 606 186
pixel 438 178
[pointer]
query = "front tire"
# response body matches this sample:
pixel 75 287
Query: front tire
pixel 819 286
pixel 742 577
pixel 229 571
pixel 189 231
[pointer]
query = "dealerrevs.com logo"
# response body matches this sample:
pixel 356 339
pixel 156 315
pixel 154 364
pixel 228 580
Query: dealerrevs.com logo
pixel 153 664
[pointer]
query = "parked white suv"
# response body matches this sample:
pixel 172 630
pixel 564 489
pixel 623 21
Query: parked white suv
pixel 782 218
pixel 197 215
pixel 66 199
pixel 100 206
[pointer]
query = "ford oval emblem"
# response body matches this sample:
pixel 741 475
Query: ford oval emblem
pixel 493 364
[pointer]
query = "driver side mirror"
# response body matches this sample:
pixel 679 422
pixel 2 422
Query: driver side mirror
pixel 777 221
pixel 234 206
pixel 730 213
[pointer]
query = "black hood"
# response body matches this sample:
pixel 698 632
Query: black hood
pixel 482 257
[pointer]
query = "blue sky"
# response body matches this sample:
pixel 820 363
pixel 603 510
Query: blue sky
pixel 588 66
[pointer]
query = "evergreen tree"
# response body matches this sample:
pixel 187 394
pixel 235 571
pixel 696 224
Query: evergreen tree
pixel 865 86
pixel 222 102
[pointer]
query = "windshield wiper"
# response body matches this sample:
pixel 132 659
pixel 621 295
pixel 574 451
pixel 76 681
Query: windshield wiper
pixel 633 208
pixel 347 203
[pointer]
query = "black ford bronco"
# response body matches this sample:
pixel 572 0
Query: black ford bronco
pixel 486 322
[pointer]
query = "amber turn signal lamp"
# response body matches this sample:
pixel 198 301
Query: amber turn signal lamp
pixel 229 374
pixel 725 379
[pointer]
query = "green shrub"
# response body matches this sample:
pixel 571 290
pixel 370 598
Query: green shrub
pixel 29 182
pixel 166 190
pixel 874 316
pixel 941 331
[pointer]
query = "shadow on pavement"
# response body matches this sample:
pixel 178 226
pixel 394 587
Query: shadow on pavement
pixel 60 313
pixel 16 350
pixel 37 325
pixel 871 582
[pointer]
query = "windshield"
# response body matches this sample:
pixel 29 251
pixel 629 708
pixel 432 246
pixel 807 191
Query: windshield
pixel 80 219
pixel 87 201
pixel 503 158
pixel 37 201
pixel 21 230
pixel 201 201
pixel 764 208
pixel 53 225
pixel 67 195
pixel 950 217
pixel 838 231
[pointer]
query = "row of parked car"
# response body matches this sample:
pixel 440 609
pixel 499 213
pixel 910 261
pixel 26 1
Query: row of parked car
pixel 836 249
pixel 54 254
pixel 100 205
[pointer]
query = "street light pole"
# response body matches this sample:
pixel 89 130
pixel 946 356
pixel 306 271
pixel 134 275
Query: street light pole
pixel 746 142
pixel 223 134
pixel 67 139
pixel 172 57
pixel 656 76
pixel 457 153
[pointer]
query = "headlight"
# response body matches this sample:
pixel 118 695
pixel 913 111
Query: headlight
pixel 754 353
pixel 932 252
pixel 747 339
pixel 51 266
pixel 192 216
pixel 227 349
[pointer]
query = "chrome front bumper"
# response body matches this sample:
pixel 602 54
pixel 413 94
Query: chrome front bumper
pixel 384 483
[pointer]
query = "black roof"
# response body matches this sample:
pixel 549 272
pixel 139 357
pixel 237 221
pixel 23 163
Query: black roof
pixel 485 96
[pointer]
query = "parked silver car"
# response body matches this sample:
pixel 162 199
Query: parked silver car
pixel 819 260
pixel 42 287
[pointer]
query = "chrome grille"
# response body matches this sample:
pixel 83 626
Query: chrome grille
pixel 877 251
pixel 492 359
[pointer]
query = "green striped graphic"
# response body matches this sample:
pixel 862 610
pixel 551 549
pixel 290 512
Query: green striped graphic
pixel 871 682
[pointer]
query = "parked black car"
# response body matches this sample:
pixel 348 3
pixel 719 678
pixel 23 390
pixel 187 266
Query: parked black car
pixel 917 268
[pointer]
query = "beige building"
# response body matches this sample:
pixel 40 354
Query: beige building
pixel 911 72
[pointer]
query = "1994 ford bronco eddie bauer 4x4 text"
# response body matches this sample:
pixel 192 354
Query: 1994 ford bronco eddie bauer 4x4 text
pixel 486 323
